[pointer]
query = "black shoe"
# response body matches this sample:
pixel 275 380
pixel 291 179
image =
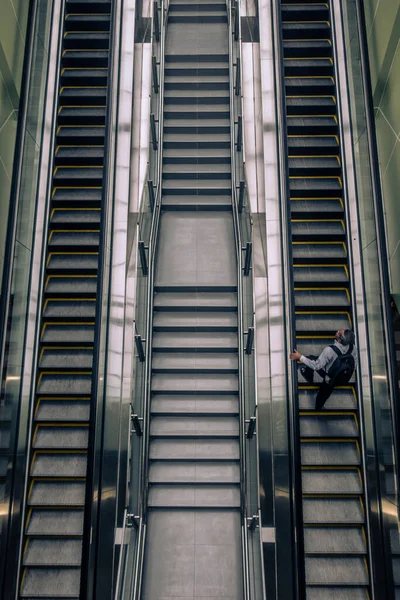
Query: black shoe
pixel 308 374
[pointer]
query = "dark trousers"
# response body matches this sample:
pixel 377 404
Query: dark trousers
pixel 325 390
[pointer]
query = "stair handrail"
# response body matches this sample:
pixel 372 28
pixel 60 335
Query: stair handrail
pixel 153 241
pixel 233 14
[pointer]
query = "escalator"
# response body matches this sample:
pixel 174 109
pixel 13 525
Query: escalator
pixel 59 447
pixel 335 526
pixel 193 539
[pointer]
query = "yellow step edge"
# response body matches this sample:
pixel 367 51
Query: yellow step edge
pixel 91 209
pixel 309 58
pixel 57 424
pixel 47 348
pixel 80 87
pixel 310 77
pixel 75 187
pixel 69 254
pixel 76 167
pixel 351 495
pixel 312 116
pixel 78 127
pixel 307 156
pixel 64 324
pixel 65 452
pixel 330 440
pixel 329 468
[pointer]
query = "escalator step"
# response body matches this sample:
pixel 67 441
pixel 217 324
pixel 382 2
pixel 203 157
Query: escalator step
pixel 315 187
pixel 331 481
pixel 67 286
pixel 42 583
pixel 311 105
pixel 312 253
pixel 194 496
pixel 312 145
pixel 80 135
pixel 331 208
pixel 84 96
pixel 194 405
pixel 320 276
pixel 194 472
pixel 339 511
pixel 57 493
pixel 59 437
pixel 86 40
pixel 307 48
pixel 342 399
pixel 337 592
pixel 199 450
pixel 87 240
pixel 329 165
pixel 319 299
pixel 85 58
pixel 58 465
pixel 320 323
pixel 328 426
pixel 87 23
pixel 76 197
pixel 79 115
pixel 305 12
pixel 69 309
pixel 312 125
pixel 334 540
pixel 55 522
pixel 71 334
pixel 194 426
pixel 297 67
pixel 318 30
pixel 66 383
pixel 75 219
pixel 72 263
pixel 62 409
pixel 331 453
pixel 85 6
pixel 59 358
pixel 335 570
pixel 53 553
pixel 309 86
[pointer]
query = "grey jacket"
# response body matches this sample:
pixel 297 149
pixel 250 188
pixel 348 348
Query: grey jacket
pixel 327 358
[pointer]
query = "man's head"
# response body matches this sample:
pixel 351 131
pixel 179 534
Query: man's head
pixel 345 336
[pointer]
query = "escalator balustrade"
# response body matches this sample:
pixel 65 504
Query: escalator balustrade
pixel 335 527
pixel 52 550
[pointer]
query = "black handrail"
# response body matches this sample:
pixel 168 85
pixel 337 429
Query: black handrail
pixel 380 233
pixel 293 422
pixel 16 181
pixel 91 510
pixel 9 250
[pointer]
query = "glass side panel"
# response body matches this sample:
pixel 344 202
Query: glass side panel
pixel 383 403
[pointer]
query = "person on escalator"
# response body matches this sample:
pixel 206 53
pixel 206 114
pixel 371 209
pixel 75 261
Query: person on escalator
pixel 336 364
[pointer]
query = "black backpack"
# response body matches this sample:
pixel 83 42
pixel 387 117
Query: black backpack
pixel 343 367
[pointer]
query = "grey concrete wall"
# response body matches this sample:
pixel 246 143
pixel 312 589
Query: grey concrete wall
pixel 13 23
pixel 383 32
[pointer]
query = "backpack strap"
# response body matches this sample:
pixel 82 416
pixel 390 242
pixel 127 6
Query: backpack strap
pixel 336 350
